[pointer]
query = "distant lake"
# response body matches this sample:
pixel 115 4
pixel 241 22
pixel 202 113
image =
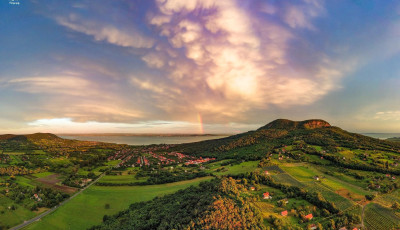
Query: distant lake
pixel 142 140
pixel 382 135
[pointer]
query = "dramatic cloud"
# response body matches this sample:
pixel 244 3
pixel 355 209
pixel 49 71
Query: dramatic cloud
pixel 228 63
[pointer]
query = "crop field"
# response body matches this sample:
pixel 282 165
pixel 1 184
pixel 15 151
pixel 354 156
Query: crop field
pixel 14 153
pixel 273 168
pixel 42 174
pixel 301 173
pixel 88 208
pixel 244 167
pixel 285 178
pixel 23 180
pixel 340 202
pixel 52 181
pixel 378 217
pixel 389 199
pixel 336 184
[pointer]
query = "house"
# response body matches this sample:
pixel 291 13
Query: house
pixel 355 229
pixel 316 177
pixel 309 216
pixel 37 197
pixel 284 213
pixel 343 228
pixel 252 188
pixel 313 227
pixel 266 195
pixel 266 173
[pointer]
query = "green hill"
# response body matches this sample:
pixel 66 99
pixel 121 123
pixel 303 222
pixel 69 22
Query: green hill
pixel 254 144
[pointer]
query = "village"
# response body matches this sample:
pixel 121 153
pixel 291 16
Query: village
pixel 154 155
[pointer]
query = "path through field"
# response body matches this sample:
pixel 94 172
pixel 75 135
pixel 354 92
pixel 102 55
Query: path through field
pixel 362 216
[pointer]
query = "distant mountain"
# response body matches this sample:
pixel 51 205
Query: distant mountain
pixel 254 144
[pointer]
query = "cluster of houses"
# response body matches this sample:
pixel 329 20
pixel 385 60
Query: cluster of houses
pixel 142 160
pixel 147 156
pixel 390 176
pixel 198 161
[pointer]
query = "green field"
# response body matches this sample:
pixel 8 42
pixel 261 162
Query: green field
pixel 88 208
pixel 244 167
pixel 113 162
pixel 42 174
pixel 337 184
pixel 301 173
pixel 121 179
pixel 13 217
pixel 22 180
pixel 285 178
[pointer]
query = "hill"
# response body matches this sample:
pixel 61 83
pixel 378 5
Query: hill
pixel 29 137
pixel 254 144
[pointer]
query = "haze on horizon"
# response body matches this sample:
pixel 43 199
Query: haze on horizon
pixel 197 66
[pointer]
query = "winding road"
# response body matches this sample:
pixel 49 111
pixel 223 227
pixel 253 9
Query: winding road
pixel 36 218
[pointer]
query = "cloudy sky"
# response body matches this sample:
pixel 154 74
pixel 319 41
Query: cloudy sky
pixel 197 66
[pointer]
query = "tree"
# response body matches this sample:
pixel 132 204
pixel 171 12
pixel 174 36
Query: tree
pixel 396 205
pixel 370 197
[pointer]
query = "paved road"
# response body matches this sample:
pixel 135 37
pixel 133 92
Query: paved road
pixel 28 222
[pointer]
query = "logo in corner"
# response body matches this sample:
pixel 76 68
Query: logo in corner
pixel 14 2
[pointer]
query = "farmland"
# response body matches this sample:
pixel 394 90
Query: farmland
pixel 88 208
pixel 380 218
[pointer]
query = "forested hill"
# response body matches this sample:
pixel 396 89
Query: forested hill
pixel 254 144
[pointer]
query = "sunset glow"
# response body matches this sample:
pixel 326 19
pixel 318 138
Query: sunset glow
pixel 233 64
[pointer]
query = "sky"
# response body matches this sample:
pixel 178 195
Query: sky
pixel 197 66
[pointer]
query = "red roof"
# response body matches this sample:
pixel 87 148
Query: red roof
pixel 284 213
pixel 266 193
pixel 309 216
